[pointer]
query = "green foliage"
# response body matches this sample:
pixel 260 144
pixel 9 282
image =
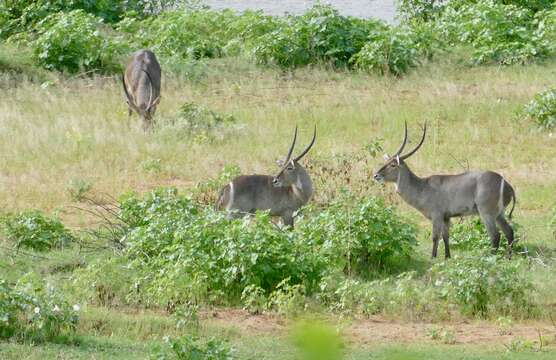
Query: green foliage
pixel 31 311
pixel 485 285
pixel 200 123
pixel 164 34
pixel 72 42
pixel 78 188
pixel 22 15
pixel 542 109
pixel 360 234
pixel 388 52
pixel 469 234
pixel 316 341
pixel 189 251
pixel 253 299
pixel 321 35
pixel 287 299
pixel 420 10
pixel 194 348
pixel 430 10
pixel 498 33
pixel 33 230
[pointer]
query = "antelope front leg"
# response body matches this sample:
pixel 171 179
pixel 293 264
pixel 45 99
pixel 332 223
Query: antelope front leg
pixel 437 226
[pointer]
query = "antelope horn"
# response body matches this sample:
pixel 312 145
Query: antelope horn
pixel 308 146
pixel 403 157
pixel 290 151
pixel 129 99
pixel 404 142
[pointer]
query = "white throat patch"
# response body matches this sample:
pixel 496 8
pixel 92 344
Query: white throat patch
pixel 298 188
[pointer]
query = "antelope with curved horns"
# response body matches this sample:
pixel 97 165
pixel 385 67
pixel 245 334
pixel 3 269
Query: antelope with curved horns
pixel 282 194
pixel 441 197
pixel 141 82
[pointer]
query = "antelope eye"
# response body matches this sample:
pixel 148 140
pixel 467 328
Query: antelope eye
pixel 290 168
pixel 393 165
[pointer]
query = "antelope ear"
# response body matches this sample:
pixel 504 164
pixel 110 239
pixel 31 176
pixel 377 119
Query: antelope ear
pixel 386 156
pixel 398 159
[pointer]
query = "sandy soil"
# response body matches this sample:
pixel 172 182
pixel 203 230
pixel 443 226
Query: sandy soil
pixel 380 330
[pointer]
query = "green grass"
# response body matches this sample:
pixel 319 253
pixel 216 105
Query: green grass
pixel 77 129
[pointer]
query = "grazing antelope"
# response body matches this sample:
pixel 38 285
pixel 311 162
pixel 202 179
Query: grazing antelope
pixel 282 194
pixel 141 81
pixel 441 197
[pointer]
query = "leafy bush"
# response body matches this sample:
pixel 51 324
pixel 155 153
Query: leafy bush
pixel 199 123
pixel 542 109
pixel 321 35
pixel 429 10
pixel 22 15
pixel 35 231
pixel 72 42
pixel 469 234
pixel 388 52
pixel 485 285
pixel 34 313
pixel 194 348
pixel 360 234
pixel 503 34
pixel 186 252
pixel 164 34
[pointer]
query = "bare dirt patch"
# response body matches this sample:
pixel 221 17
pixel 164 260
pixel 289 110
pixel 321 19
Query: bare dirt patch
pixel 378 329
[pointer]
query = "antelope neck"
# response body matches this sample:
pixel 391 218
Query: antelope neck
pixel 409 185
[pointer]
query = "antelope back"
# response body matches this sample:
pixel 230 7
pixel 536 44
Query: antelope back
pixel 142 82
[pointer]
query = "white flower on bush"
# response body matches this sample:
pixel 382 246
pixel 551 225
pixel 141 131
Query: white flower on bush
pixel 76 307
pixel 37 310
pixel 56 308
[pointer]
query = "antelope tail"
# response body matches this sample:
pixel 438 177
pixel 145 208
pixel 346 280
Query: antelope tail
pixel 513 203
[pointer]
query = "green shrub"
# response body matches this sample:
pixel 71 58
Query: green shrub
pixel 391 51
pixel 34 313
pixel 194 348
pixel 33 230
pixel 360 235
pixel 22 15
pixel 469 234
pixel 503 34
pixel 542 109
pixel 198 123
pixel 74 41
pixel 485 286
pixel 186 252
pixel 321 35
pixel 429 10
pixel 205 36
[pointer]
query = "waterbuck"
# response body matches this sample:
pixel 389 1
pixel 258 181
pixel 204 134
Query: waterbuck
pixel 141 81
pixel 441 197
pixel 282 194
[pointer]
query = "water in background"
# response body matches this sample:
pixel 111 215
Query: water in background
pixel 382 9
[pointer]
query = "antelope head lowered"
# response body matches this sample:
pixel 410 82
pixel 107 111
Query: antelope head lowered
pixel 141 81
pixel 282 194
pixel 441 197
